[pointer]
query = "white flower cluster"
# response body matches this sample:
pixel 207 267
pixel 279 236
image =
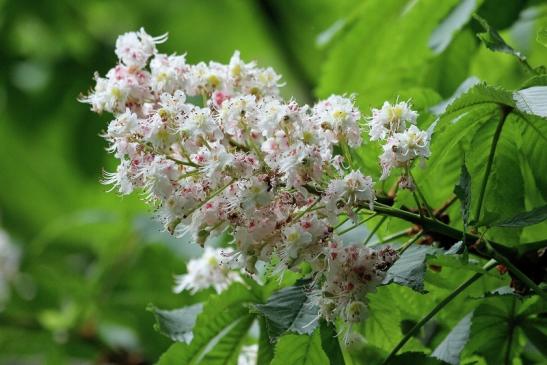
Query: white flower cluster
pixel 395 125
pixel 9 265
pixel 212 269
pixel 245 161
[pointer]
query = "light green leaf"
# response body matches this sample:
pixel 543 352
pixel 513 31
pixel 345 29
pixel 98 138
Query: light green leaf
pixel 450 349
pixel 300 350
pixel 542 36
pixel 219 330
pixel 177 324
pixel 458 17
pixel 481 93
pixel 290 309
pixel 391 33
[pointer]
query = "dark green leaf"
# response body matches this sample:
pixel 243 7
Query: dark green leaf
pixel 265 347
pixel 463 192
pixel 290 309
pixel 493 329
pixel 450 349
pixel 409 269
pixel 536 332
pixel 532 217
pixel 415 358
pixel 330 343
pixel 177 324
pixel 300 350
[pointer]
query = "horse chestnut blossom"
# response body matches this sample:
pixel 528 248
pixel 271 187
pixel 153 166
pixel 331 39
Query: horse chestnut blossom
pixel 211 269
pixel 404 142
pixel 273 174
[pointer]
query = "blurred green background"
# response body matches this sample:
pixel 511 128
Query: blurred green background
pixel 92 261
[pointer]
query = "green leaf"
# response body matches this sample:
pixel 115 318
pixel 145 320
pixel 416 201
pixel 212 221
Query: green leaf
pixel 177 324
pixel 529 218
pixel 330 343
pixel 290 309
pixel 458 17
pixel 382 326
pixel 409 269
pixel 415 358
pixel 532 100
pixel 390 33
pixel 450 349
pixel 300 350
pixel 481 93
pixel 265 347
pixel 536 332
pixel 219 331
pixel 463 192
pixel 542 36
pixel 493 329
pixel 493 40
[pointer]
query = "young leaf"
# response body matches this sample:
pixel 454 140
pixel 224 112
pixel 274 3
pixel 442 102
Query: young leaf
pixel 300 350
pixel 450 349
pixel 463 192
pixel 330 343
pixel 219 330
pixel 177 324
pixel 529 218
pixel 409 270
pixel 290 309
pixel 532 100
pixel 493 40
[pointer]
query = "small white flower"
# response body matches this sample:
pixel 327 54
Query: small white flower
pixel 135 48
pixel 390 119
pixel 212 269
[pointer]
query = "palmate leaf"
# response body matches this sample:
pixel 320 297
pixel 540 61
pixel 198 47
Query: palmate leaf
pixel 219 331
pixel 300 350
pixel 450 349
pixel 290 309
pixel 497 324
pixel 177 324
